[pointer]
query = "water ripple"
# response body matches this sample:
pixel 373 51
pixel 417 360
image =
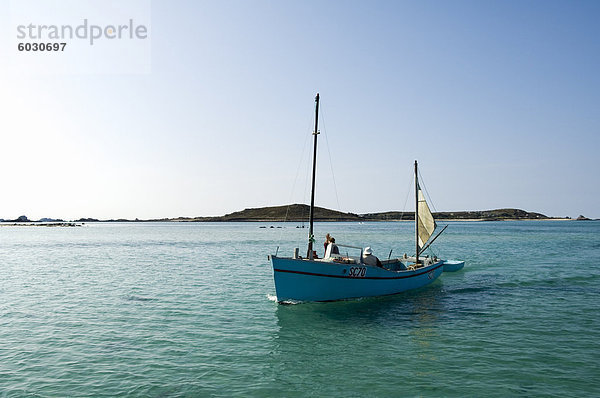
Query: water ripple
pixel 189 310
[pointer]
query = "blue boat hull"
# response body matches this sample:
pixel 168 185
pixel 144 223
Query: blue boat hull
pixel 453 265
pixel 306 280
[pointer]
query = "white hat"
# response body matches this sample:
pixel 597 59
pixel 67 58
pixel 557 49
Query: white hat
pixel 367 251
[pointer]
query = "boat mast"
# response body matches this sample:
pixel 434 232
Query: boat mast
pixel 416 214
pixel 311 237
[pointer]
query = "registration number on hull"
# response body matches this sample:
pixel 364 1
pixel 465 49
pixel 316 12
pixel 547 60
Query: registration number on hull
pixel 357 272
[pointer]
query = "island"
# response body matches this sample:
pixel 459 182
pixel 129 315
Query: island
pixel 300 212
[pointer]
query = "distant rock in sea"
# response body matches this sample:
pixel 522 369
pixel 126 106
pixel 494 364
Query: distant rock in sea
pixel 582 218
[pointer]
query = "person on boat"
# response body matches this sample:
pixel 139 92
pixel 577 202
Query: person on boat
pixel 334 248
pixel 369 258
pixel 327 240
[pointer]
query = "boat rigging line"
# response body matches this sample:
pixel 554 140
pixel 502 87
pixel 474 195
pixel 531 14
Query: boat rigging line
pixel 337 199
pixel 290 201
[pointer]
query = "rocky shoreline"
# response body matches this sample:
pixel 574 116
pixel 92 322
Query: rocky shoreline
pixel 36 224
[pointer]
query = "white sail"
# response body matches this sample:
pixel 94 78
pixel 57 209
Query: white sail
pixel 426 222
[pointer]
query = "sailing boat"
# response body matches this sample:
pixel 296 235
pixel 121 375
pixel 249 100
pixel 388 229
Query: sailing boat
pixel 338 277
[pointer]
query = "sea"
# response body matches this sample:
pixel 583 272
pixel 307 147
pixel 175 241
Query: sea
pixel 189 310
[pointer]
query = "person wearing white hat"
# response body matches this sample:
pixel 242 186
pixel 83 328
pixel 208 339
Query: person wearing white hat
pixel 369 259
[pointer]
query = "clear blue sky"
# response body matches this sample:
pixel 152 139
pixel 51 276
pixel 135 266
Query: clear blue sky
pixel 498 100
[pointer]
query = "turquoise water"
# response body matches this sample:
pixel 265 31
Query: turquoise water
pixel 170 310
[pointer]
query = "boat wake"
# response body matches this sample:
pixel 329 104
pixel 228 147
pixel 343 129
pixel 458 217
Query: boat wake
pixel 272 297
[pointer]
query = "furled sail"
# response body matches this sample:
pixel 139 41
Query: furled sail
pixel 426 222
